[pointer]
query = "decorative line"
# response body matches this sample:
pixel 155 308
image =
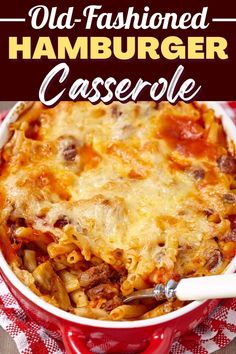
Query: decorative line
pixel 224 20
pixel 12 19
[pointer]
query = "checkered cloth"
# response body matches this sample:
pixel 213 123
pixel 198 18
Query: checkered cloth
pixel 218 330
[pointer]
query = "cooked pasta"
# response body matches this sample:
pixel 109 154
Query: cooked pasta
pixel 98 201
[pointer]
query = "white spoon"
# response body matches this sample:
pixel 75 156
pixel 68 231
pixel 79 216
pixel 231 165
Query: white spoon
pixel 188 289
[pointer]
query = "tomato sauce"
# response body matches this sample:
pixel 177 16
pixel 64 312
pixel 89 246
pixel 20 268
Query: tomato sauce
pixel 211 177
pixel 186 136
pixel 232 219
pixel 7 249
pixel 89 157
pixel 38 236
pixel 48 180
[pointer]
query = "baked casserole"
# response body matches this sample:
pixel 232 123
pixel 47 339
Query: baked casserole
pixel 99 201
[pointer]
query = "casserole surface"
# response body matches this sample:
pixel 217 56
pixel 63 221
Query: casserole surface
pixel 134 194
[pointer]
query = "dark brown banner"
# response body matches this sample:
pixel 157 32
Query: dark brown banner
pixel 126 50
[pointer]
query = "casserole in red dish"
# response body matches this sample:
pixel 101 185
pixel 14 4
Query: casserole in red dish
pixel 146 334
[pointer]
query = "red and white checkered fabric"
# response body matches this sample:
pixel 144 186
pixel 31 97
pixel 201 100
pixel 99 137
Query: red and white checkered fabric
pixel 218 330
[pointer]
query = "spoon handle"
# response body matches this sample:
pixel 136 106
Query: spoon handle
pixel 210 287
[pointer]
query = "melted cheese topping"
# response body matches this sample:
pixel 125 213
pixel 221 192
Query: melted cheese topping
pixel 140 178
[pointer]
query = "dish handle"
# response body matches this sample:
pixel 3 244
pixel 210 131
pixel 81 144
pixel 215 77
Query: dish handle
pixel 159 343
